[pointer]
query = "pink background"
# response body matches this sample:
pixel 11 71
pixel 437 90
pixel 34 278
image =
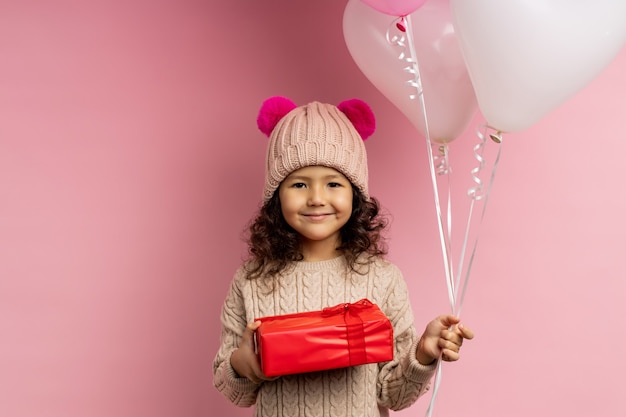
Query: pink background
pixel 130 163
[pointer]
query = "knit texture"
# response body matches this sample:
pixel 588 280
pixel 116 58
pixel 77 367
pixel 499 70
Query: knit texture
pixel 315 134
pixel 363 391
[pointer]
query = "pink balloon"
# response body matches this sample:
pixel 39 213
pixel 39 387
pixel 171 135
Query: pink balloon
pixel 448 93
pixel 395 7
pixel 526 59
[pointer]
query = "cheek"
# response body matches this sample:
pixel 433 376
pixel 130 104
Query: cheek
pixel 345 202
pixel 287 203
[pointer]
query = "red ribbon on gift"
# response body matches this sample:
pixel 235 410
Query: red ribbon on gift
pixel 354 327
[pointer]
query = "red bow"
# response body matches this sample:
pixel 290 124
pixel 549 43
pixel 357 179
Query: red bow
pixel 354 327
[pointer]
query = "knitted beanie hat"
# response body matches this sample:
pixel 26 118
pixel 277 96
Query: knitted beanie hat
pixel 315 134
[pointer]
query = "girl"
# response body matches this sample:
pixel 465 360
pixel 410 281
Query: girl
pixel 316 242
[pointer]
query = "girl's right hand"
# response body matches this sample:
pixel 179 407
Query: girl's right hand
pixel 245 361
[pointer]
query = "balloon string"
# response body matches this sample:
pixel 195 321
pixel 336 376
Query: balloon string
pixel 474 193
pixel 403 24
pixel 478 195
pixel 402 37
pixel 443 170
pixel 439 166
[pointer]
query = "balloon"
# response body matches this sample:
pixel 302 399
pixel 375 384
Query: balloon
pixel 525 58
pixel 395 7
pixel 448 92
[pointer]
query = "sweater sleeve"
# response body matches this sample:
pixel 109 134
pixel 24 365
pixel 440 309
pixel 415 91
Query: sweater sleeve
pixel 402 380
pixel 238 390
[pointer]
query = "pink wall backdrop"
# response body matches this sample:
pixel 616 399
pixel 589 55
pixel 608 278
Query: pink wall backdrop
pixel 130 163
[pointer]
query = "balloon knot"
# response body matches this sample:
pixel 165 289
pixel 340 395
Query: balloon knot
pixel 401 24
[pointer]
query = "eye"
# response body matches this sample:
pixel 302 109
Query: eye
pixel 298 185
pixel 334 184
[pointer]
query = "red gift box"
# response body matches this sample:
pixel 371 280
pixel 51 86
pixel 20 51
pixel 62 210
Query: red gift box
pixel 348 334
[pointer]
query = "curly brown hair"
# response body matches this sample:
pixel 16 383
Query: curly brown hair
pixel 273 244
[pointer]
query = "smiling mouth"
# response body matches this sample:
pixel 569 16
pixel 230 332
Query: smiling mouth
pixel 317 217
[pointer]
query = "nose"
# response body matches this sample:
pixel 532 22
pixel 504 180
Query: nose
pixel 317 196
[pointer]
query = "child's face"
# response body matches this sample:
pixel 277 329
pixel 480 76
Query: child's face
pixel 317 202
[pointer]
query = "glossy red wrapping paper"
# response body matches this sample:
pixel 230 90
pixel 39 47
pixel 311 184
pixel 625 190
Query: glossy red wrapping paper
pixel 345 335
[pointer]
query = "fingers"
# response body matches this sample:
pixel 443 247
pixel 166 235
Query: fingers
pixel 450 342
pixel 254 373
pixel 251 327
pixel 248 333
pixel 244 360
pixel 460 329
pixel 465 332
pixel 448 320
pixel 450 337
pixel 257 376
pixel 442 338
pixel 254 378
pixel 450 345
pixel 449 356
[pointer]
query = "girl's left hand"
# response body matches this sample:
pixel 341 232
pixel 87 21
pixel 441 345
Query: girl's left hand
pixel 443 338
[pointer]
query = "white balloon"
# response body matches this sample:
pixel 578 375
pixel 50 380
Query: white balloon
pixel 448 93
pixel 525 57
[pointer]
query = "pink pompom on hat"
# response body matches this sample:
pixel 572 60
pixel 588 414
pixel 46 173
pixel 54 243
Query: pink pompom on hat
pixel 315 134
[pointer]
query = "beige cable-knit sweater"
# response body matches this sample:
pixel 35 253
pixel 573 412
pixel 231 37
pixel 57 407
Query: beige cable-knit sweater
pixel 360 391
